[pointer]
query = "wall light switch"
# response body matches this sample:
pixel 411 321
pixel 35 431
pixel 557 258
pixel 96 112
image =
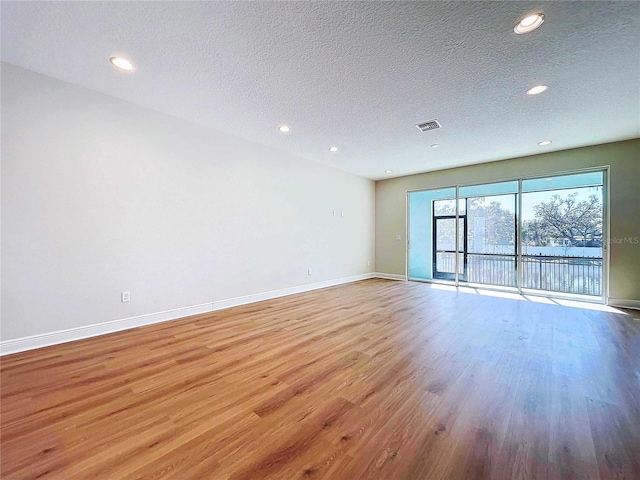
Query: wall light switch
pixel 125 297
pixel 310 272
pixel 334 213
pixel 398 237
pixel 342 213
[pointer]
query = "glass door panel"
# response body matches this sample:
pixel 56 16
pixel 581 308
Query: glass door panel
pixel 421 207
pixel 491 240
pixel 446 247
pixel 562 234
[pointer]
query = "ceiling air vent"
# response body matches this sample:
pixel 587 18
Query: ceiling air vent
pixel 430 125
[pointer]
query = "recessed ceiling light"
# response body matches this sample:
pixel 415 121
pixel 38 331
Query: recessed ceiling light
pixel 544 143
pixel 284 128
pixel 537 89
pixel 435 145
pixel 529 23
pixel 388 171
pixel 121 63
pixel 333 149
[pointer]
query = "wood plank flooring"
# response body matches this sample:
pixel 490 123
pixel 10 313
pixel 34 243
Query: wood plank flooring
pixel 375 380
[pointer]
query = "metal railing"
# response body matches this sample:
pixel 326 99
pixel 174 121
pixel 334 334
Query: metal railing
pixel 492 269
pixel 578 275
pixel 446 262
pixel 574 275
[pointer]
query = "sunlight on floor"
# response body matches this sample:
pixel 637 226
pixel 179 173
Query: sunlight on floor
pixel 467 290
pixel 529 298
pixel 589 306
pixel 495 293
pixel 534 298
pixel 450 288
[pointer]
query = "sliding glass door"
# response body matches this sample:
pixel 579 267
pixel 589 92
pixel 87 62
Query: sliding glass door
pixel 492 233
pixel 562 234
pixel 540 235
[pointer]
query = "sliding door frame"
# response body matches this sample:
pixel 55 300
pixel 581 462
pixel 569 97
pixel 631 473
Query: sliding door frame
pixel 603 299
pixel 519 238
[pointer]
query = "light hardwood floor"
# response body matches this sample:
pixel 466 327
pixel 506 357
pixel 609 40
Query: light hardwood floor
pixel 376 379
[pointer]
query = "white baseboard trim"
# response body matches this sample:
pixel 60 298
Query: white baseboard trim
pixel 259 297
pixel 16 345
pixel 390 276
pixel 86 331
pixel 624 303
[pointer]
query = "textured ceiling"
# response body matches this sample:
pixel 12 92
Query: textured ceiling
pixel 353 74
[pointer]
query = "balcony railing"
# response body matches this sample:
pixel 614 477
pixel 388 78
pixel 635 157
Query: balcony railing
pixel 578 275
pixel 492 269
pixel 574 275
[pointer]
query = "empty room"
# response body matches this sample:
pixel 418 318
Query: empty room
pixel 329 239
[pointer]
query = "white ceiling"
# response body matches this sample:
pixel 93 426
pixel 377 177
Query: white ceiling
pixel 356 75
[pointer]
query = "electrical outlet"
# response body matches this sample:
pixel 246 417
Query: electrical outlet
pixel 310 271
pixel 342 213
pixel 125 297
pixel 398 237
pixel 368 263
pixel 334 213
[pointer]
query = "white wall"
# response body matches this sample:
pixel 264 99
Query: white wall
pixel 101 196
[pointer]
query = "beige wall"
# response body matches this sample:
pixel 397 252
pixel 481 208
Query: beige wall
pixel 101 196
pixel 624 193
